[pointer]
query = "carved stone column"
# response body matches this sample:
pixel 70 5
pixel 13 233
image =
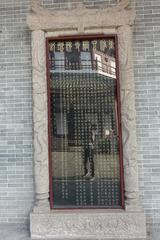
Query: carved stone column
pixel 40 118
pixel 128 114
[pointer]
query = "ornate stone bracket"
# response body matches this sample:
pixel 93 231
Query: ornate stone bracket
pixel 81 20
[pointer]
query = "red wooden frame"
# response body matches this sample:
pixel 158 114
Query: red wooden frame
pixel 86 37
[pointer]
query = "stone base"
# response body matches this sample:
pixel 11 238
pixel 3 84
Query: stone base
pixel 93 224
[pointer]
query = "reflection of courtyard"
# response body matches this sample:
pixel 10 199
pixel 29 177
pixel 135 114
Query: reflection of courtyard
pixel 71 165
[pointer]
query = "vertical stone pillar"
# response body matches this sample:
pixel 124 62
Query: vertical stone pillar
pixel 128 114
pixel 40 118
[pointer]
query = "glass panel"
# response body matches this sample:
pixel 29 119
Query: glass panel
pixel 59 61
pixel 84 124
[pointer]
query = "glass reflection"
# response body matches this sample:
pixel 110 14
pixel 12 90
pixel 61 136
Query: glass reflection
pixel 85 147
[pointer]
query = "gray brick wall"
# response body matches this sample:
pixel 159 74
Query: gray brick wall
pixel 147 80
pixel 16 151
pixel 16 167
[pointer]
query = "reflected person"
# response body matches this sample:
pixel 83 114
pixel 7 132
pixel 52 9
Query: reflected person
pixel 89 151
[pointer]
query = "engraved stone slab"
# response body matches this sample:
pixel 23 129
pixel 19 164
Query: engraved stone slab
pixel 87 225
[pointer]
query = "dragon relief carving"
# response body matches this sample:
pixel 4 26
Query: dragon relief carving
pixel 40 116
pixel 128 114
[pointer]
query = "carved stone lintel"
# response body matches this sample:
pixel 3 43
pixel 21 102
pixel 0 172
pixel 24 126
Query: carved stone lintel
pixel 79 18
pixel 40 118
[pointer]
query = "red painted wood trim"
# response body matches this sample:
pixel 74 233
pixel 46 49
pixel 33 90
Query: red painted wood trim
pixel 49 125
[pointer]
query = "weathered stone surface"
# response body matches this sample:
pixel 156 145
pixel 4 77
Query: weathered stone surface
pixel 79 18
pixel 40 118
pixel 21 232
pixel 87 225
pixel 128 115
